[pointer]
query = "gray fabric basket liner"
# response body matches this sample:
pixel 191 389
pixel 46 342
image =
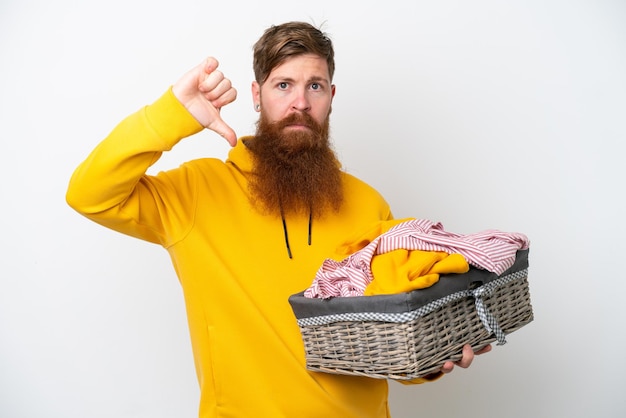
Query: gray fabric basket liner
pixel 448 284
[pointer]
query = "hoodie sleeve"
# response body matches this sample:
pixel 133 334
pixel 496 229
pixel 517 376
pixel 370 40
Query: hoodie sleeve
pixel 111 186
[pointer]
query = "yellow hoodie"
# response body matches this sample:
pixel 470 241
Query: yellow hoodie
pixel 232 264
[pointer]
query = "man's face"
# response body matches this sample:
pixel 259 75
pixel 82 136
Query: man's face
pixel 295 170
pixel 299 85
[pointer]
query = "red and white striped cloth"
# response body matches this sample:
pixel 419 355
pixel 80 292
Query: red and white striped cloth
pixel 490 250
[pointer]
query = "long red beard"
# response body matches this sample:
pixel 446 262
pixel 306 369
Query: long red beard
pixel 295 172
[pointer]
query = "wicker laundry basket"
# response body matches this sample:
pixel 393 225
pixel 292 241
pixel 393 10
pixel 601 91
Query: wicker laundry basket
pixel 410 335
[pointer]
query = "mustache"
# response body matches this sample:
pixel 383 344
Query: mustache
pixel 299 118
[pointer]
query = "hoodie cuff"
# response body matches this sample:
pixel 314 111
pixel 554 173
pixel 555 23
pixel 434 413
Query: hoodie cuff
pixel 170 120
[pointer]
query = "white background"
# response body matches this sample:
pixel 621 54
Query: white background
pixel 479 114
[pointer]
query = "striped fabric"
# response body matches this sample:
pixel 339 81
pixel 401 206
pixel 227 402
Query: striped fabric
pixel 491 250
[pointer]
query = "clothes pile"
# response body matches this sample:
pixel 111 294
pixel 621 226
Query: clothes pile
pixel 408 254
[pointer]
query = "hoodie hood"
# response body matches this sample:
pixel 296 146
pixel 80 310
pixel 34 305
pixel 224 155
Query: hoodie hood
pixel 240 155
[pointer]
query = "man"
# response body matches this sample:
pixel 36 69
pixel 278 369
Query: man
pixel 247 233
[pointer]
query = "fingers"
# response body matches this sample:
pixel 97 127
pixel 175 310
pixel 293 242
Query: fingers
pixel 467 358
pixel 215 85
pixel 447 367
pixel 222 99
pixel 219 91
pixel 204 91
pixel 483 350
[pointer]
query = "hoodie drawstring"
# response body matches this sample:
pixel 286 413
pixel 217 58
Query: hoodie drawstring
pixel 282 215
pixel 310 223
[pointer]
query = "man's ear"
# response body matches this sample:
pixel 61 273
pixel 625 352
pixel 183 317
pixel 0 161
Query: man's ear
pixel 256 95
pixel 332 96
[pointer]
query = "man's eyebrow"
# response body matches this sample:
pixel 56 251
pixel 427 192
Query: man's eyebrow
pixel 282 78
pixel 314 79
pixel 318 79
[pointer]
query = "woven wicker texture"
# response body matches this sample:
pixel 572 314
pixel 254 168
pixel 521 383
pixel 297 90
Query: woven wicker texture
pixel 404 351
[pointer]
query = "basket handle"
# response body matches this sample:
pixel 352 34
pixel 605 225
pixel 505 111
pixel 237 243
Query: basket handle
pixel 486 317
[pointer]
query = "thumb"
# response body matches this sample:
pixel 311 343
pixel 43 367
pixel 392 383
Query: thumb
pixel 225 131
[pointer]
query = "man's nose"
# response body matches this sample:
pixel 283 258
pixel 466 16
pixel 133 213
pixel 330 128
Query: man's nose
pixel 301 102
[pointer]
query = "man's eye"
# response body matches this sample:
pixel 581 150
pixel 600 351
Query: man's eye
pixel 316 86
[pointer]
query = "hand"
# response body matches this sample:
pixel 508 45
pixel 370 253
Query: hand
pixel 466 360
pixel 204 91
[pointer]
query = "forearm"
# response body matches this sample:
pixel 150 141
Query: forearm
pixel 111 175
